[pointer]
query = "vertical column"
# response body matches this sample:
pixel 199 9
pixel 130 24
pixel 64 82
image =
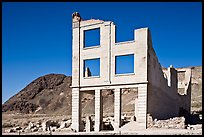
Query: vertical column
pixel 112 56
pixel 105 50
pixel 117 109
pixel 88 124
pixel 98 110
pixel 75 49
pixel 76 109
pixel 142 105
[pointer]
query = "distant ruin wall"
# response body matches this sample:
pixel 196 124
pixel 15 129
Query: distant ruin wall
pixel 184 88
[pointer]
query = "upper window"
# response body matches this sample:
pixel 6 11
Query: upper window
pixel 91 37
pixel 123 34
pixel 124 64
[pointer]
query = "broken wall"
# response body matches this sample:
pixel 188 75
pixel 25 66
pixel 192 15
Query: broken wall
pixel 162 100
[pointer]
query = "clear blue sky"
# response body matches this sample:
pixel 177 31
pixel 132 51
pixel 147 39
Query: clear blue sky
pixel 36 37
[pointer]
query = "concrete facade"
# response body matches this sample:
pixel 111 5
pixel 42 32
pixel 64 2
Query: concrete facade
pixel 157 88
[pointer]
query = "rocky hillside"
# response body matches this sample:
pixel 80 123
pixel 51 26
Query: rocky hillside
pixel 51 94
pixel 196 95
pixel 47 94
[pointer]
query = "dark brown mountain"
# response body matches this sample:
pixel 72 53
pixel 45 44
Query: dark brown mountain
pixel 51 94
pixel 46 94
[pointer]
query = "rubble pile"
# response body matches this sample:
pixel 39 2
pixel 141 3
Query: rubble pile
pixel 172 123
pixel 38 126
pixel 194 127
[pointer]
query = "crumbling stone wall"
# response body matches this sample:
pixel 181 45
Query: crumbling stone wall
pixel 171 123
pixel 163 100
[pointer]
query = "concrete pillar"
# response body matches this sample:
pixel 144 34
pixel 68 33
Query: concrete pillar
pixel 75 52
pixel 142 106
pixel 88 124
pixel 98 110
pixel 106 50
pixel 172 78
pixel 117 109
pixel 76 109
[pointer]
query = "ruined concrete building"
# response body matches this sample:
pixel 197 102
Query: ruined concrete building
pixel 160 92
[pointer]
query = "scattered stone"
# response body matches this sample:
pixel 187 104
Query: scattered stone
pixel 194 127
pixel 123 117
pixel 65 124
pixel 44 128
pixel 173 123
pixel 53 129
pixel 12 130
pixel 133 118
pixel 26 129
pixel 40 129
pixel 149 121
pixel 61 93
pixel 18 128
pixel 7 130
pixel 65 119
pixel 35 129
pixel 31 125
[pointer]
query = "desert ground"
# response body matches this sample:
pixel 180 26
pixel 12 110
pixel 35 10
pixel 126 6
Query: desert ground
pixel 14 121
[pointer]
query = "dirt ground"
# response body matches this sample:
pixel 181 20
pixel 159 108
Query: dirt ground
pixel 22 120
pixel 140 132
